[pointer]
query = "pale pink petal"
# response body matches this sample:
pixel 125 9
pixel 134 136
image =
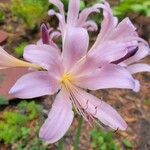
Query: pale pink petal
pixel 143 51
pixel 109 76
pixel 100 110
pixel 53 36
pixel 8 61
pixel 90 25
pixel 59 119
pixel 124 29
pixel 131 52
pixel 73 12
pixel 75 45
pixel 136 68
pixel 35 84
pixel 83 66
pixel 83 16
pixel 59 5
pixel 104 54
pixel 44 55
pixel 108 24
pixel 61 19
pixel 108 52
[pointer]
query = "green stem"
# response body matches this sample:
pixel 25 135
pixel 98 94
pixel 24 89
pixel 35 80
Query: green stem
pixel 77 138
pixel 61 144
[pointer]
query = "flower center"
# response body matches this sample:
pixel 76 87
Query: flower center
pixel 66 79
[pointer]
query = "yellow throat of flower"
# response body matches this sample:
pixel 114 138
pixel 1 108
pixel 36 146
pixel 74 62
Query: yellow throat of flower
pixel 66 79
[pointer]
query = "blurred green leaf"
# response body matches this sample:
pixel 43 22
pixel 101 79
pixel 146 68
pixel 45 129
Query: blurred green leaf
pixel 14 118
pixel 2 16
pixel 140 7
pixel 8 133
pixel 30 11
pixel 127 143
pixel 17 130
pixel 147 102
pixel 3 100
pixel 20 49
pixel 101 140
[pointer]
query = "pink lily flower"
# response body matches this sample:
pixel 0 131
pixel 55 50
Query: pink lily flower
pixel 124 32
pixel 74 69
pixel 69 73
pixel 130 48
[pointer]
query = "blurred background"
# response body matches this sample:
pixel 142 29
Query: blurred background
pixel 20 120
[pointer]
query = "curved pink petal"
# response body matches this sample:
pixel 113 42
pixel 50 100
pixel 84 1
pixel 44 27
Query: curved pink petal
pixel 60 15
pixel 35 84
pixel 44 55
pixel 124 29
pixel 59 119
pixel 109 76
pixel 73 12
pixel 8 61
pixel 136 68
pixel 104 54
pixel 107 26
pixel 76 43
pixel 83 16
pixel 100 110
pixel 48 36
pixel 142 52
pixel 108 52
pixel 62 23
pixel 59 5
pixel 90 25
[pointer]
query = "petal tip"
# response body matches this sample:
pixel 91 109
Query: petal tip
pixel 136 86
pixel 124 127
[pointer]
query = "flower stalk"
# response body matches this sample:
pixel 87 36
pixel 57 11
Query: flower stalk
pixel 77 137
pixel 61 144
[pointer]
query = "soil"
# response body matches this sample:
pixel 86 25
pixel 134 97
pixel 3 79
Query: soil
pixel 134 107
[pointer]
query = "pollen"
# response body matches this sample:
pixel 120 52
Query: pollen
pixel 66 78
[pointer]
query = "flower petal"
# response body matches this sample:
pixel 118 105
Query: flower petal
pixel 35 84
pixel 136 68
pixel 75 45
pixel 59 5
pixel 44 34
pixel 90 25
pixel 124 29
pixel 61 19
pixel 44 55
pixel 142 52
pixel 59 119
pixel 8 61
pixel 83 16
pixel 108 52
pixel 109 76
pixel 100 110
pixel 108 25
pixel 73 12
pixel 105 53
